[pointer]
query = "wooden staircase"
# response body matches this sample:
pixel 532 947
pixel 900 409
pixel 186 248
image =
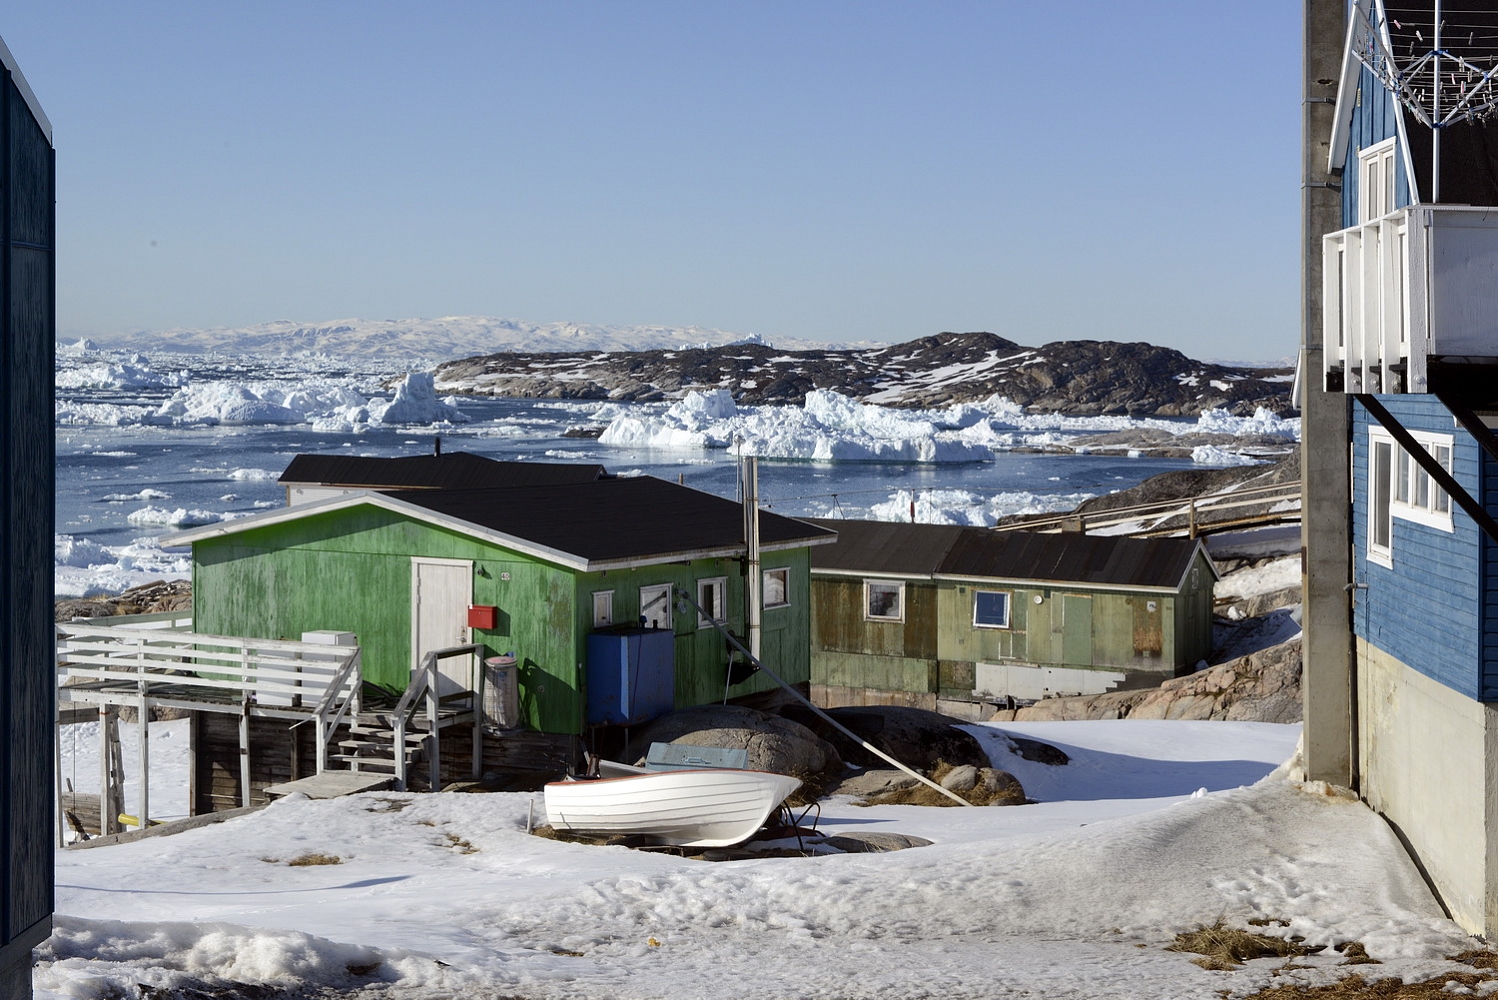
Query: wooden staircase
pixel 389 741
pixel 370 745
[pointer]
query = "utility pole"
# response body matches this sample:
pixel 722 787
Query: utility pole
pixel 1328 680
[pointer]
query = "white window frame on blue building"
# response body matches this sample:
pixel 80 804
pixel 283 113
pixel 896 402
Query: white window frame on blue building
pixel 1399 488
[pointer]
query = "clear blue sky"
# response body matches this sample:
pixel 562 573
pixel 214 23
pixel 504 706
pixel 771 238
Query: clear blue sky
pixel 858 170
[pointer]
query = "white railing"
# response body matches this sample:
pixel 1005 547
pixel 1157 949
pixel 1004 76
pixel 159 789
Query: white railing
pixel 425 689
pixel 1407 288
pixel 276 678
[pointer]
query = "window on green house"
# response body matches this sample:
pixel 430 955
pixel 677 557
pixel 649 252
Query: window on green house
pixel 655 605
pixel 603 608
pixel 712 598
pixel 777 588
pixel 991 608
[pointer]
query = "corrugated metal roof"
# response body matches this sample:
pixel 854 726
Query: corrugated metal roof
pixel 612 519
pixel 1109 560
pixel 454 470
pixel 898 549
pixel 889 547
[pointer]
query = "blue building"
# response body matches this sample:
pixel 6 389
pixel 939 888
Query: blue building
pixel 27 330
pixel 1410 339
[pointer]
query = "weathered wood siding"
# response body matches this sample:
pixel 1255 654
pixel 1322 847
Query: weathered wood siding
pixel 936 649
pixel 850 652
pixel 27 333
pixel 281 751
pixel 1076 626
pixel 351 570
pixel 1428 610
pixel 1193 617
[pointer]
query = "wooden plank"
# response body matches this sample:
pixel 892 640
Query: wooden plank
pixel 332 784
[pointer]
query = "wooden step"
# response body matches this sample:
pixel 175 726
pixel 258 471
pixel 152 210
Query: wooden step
pixel 365 763
pixel 376 745
pixel 387 735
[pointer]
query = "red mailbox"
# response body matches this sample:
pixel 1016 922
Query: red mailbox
pixel 483 616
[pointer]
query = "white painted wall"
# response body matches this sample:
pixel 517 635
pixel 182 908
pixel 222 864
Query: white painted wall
pixel 1425 752
pixel 995 680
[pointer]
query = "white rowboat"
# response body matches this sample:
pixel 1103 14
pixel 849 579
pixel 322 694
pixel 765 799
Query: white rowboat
pixel 709 807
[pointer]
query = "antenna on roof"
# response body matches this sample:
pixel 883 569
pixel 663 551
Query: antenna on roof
pixel 437 445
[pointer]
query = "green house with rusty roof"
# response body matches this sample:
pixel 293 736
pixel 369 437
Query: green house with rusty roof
pixel 531 569
pixel 951 618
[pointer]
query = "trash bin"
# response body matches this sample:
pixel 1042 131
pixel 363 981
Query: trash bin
pixel 501 692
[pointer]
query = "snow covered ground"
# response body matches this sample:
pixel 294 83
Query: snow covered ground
pixel 1152 828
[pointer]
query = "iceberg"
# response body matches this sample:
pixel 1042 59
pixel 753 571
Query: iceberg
pixel 416 402
pixel 829 427
pixel 967 508
pixel 1210 454
pixel 83 567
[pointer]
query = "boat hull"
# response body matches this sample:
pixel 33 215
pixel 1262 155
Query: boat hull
pixel 689 808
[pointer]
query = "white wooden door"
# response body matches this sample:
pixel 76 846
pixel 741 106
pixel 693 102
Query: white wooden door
pixel 441 591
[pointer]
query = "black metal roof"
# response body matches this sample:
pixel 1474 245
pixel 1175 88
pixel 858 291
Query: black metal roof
pixel 611 519
pixel 885 547
pixel 875 547
pixel 453 470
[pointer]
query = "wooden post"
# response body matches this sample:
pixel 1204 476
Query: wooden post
pixel 434 769
pixel 107 816
pixel 62 826
pixel 143 723
pixel 244 751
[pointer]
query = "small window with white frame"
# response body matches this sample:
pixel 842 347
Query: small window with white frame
pixel 1417 495
pixel 1400 487
pixel 1380 495
pixel 712 599
pixel 655 605
pixel 1377 175
pixel 991 608
pixel 777 588
pixel 603 608
pixel 884 600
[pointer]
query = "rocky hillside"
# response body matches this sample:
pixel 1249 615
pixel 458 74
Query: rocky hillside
pixel 1077 376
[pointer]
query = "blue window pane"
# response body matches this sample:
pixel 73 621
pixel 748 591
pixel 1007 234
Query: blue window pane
pixel 991 608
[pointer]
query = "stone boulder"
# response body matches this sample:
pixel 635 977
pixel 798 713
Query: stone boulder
pixel 913 736
pixel 773 743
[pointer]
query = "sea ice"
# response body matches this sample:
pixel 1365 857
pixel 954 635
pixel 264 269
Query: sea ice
pixel 83 567
pixel 1211 454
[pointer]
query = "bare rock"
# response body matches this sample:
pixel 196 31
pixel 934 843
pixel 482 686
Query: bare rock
pixel 999 788
pixel 773 743
pixel 913 736
pixel 148 598
pixel 874 782
pixel 1260 687
pixel 874 843
pixel 1038 752
pixel 962 778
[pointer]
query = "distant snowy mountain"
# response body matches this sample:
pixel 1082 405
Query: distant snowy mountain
pixel 436 339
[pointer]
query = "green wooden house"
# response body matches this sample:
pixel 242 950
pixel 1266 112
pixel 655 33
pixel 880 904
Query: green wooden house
pixel 953 618
pixel 544 566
